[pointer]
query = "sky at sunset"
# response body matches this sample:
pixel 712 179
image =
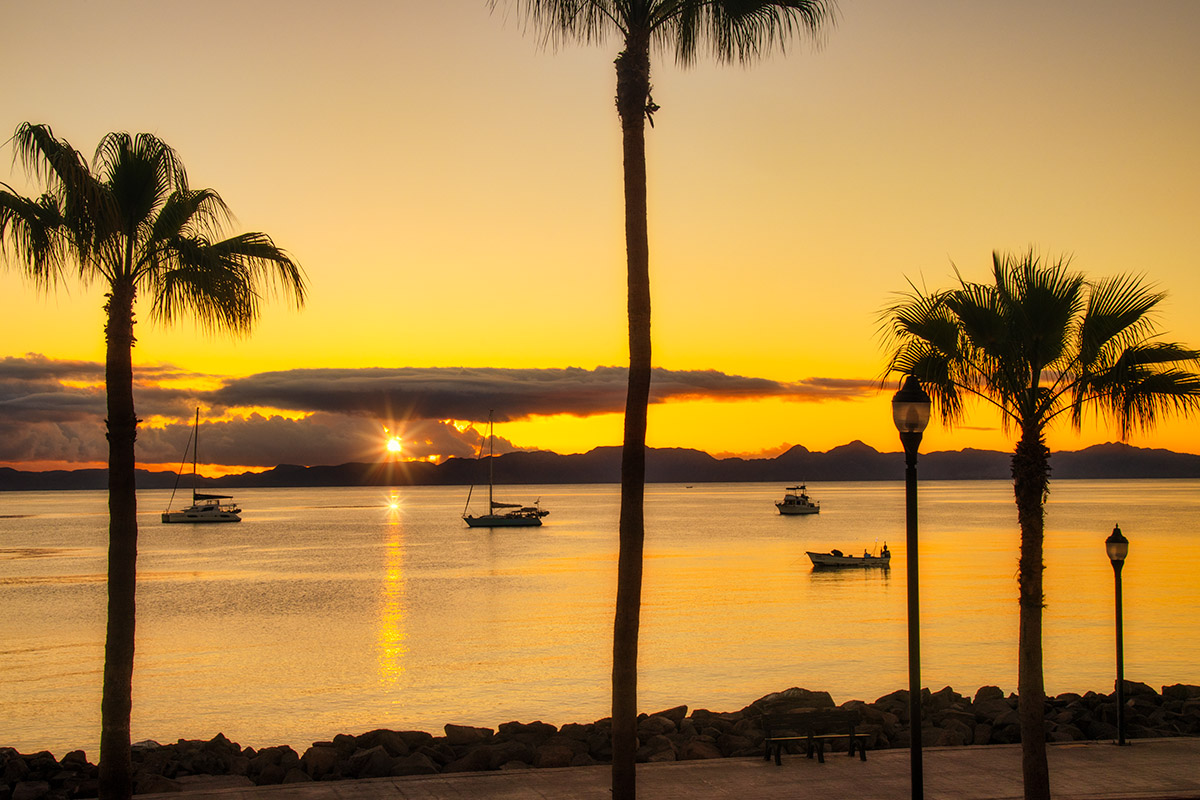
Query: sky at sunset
pixel 452 189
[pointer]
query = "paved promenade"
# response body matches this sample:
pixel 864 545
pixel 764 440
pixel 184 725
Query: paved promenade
pixel 1149 769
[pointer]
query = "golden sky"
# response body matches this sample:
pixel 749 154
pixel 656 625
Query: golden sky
pixel 452 190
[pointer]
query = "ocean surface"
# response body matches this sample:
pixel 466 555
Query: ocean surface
pixel 345 609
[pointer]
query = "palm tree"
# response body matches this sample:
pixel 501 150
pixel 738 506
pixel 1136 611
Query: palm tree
pixel 131 222
pixel 741 29
pixel 1039 344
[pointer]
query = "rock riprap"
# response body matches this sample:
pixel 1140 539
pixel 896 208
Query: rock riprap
pixel 948 719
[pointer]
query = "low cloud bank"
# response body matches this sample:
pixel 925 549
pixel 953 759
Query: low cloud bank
pixel 53 410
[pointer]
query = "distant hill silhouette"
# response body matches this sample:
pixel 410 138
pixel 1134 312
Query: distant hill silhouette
pixel 850 462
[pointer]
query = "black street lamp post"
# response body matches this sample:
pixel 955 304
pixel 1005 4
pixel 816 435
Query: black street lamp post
pixel 910 411
pixel 1118 547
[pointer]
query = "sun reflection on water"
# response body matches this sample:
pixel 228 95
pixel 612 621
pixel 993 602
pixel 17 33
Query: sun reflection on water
pixel 393 635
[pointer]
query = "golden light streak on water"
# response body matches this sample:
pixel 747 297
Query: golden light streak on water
pixel 393 635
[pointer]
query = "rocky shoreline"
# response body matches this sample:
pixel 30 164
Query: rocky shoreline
pixel 948 719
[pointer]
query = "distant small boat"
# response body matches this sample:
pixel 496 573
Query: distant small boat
pixel 797 501
pixel 518 517
pixel 204 507
pixel 836 558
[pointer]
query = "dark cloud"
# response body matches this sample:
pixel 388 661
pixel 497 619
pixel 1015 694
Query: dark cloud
pixel 53 410
pixel 35 389
pixel 469 394
pixel 34 367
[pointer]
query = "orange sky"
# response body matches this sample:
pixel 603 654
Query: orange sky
pixel 453 193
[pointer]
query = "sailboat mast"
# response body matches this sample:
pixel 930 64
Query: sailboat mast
pixel 195 452
pixel 491 461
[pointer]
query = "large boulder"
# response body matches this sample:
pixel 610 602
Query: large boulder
pixel 375 762
pixel 466 735
pixel 793 698
pixel 527 731
pixel 1138 689
pixel 1180 691
pixel 675 714
pixel 391 741
pixel 942 699
pixel 656 749
pixel 319 760
pixel 988 693
pixel 510 752
pixel 656 726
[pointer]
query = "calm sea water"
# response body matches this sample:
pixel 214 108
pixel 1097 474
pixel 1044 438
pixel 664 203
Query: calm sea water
pixel 326 611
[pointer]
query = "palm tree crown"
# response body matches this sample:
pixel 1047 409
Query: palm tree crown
pixel 1042 342
pixel 729 29
pixel 132 221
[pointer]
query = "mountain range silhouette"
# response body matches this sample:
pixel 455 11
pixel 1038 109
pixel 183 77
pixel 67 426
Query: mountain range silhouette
pixel 855 461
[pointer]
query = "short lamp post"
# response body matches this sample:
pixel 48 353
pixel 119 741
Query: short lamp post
pixel 910 411
pixel 1118 547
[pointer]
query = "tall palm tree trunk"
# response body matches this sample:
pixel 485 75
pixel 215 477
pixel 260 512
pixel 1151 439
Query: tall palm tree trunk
pixel 116 780
pixel 1031 478
pixel 633 89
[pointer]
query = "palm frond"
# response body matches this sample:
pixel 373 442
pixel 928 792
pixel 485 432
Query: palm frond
pixel 188 213
pixel 563 21
pixel 221 283
pixel 1119 311
pixel 737 30
pixel 80 197
pixel 48 158
pixel 34 233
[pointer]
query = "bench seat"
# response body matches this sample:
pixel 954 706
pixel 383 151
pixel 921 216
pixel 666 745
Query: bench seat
pixel 813 729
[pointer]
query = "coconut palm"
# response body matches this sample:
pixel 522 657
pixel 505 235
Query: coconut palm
pixel 729 29
pixel 1041 344
pixel 131 222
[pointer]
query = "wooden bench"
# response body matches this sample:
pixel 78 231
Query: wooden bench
pixel 813 729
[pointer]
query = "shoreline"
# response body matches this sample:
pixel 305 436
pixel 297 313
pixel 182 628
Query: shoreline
pixel 949 719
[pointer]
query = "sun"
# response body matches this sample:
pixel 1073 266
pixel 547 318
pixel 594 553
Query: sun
pixel 393 445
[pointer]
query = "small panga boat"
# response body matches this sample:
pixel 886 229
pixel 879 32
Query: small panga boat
pixel 836 558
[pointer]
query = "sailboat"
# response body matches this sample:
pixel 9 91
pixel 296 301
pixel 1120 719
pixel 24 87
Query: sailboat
pixel 517 515
pixel 204 507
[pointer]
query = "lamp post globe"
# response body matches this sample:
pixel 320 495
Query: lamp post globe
pixel 1117 547
pixel 910 412
pixel 910 408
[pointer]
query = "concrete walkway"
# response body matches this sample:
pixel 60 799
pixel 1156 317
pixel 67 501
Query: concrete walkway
pixel 1149 769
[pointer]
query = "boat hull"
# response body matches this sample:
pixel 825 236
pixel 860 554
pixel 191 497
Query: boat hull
pixel 201 515
pixel 790 509
pixel 502 521
pixel 830 560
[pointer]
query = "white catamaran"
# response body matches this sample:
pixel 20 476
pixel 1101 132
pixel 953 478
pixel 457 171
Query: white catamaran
pixel 518 516
pixel 204 507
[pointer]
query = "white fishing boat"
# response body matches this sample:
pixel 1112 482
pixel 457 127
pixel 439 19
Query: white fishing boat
pixel 204 507
pixel 836 558
pixel 501 515
pixel 797 501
